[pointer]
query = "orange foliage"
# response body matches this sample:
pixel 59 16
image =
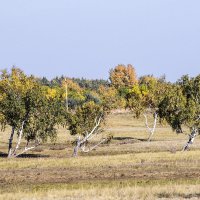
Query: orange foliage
pixel 123 76
pixel 72 86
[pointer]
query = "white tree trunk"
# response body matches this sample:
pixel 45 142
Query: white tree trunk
pixel 81 143
pixel 76 148
pixel 19 139
pixel 151 130
pixel 192 136
pixel 10 142
pixel 14 152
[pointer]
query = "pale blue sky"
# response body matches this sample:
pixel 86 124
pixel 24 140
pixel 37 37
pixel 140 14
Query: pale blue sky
pixel 85 38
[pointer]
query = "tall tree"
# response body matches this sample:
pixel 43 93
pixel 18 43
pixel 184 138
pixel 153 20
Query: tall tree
pixel 75 94
pixel 123 76
pixel 86 122
pixel 28 108
pixel 181 107
pixel 144 98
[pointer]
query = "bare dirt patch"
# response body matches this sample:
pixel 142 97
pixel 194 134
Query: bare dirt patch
pixel 137 171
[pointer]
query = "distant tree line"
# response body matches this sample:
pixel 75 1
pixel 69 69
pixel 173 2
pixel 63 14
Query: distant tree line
pixel 86 84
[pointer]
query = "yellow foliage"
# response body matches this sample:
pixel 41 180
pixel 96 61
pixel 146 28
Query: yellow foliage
pixel 122 76
pixel 136 90
pixel 73 90
pixel 2 96
pixel 51 93
pixel 71 85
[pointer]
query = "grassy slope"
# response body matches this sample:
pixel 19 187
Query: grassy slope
pixel 128 168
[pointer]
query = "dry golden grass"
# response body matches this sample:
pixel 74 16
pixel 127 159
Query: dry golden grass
pixel 127 168
pixel 118 192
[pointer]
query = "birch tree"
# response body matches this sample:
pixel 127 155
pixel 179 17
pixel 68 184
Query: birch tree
pixel 143 99
pixel 30 110
pixel 15 88
pixel 181 107
pixel 86 123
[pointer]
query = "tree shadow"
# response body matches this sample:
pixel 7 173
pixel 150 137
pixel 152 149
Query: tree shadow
pixel 5 155
pixel 129 138
pixel 33 156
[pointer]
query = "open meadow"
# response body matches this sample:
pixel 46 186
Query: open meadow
pixel 128 167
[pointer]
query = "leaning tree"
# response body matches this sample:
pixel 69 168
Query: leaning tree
pixel 143 99
pixel 15 89
pixel 86 123
pixel 181 107
pixel 86 113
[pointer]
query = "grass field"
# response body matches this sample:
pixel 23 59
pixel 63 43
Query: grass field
pixel 127 168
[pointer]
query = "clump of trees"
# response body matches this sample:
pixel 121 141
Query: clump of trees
pixel 142 96
pixel 177 104
pixel 34 107
pixel 83 83
pixel 86 120
pixel 34 111
pixel 31 110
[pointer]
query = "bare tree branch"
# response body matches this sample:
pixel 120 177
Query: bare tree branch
pixel 92 148
pixel 37 143
pixel 97 123
pixel 81 143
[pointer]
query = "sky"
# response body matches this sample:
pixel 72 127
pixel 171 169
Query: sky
pixel 87 38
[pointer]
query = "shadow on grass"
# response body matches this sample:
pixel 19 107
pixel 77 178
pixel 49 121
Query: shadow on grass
pixel 33 156
pixel 185 196
pixel 129 138
pixel 5 155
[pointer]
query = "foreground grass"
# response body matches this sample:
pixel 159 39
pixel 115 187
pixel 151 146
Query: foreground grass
pixel 119 191
pixel 162 175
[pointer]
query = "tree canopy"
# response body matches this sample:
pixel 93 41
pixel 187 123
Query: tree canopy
pixel 123 76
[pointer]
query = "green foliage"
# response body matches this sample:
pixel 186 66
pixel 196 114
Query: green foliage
pixel 136 99
pixel 181 105
pixel 109 98
pixel 83 83
pixel 172 108
pixel 16 92
pixel 23 99
pixel 82 120
pixel 146 95
pixel 93 85
pixel 49 112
